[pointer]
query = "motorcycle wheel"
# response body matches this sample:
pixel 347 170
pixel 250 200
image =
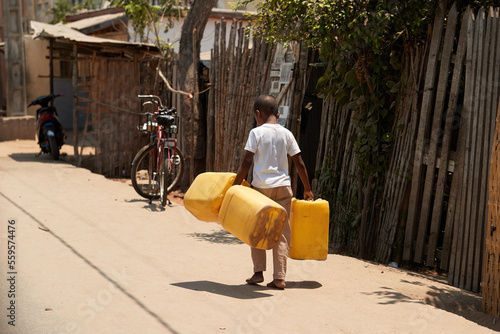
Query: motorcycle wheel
pixel 54 149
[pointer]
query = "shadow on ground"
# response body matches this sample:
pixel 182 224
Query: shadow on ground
pixel 218 237
pixel 462 303
pixel 43 158
pixel 242 291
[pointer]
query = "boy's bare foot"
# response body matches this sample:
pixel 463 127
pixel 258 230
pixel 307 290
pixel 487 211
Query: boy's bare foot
pixel 257 277
pixel 277 284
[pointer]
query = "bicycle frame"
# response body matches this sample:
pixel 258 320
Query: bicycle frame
pixel 165 165
pixel 164 141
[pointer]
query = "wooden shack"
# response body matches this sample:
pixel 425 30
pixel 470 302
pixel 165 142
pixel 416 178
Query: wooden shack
pixel 106 77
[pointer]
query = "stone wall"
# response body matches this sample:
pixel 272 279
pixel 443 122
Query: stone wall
pixel 21 127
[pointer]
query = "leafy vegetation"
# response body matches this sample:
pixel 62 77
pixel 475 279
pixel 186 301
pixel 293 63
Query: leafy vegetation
pixel 362 42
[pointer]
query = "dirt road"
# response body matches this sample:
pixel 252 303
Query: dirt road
pixel 92 257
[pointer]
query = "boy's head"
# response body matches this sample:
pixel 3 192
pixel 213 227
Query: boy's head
pixel 267 105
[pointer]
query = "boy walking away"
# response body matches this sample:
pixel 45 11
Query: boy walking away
pixel 268 147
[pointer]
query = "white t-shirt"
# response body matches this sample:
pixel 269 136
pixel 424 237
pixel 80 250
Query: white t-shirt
pixel 271 143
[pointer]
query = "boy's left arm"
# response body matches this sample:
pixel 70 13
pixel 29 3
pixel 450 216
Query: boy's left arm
pixel 301 168
pixel 246 162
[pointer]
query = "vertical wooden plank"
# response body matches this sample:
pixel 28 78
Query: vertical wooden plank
pixel 464 151
pixel 99 125
pixel 448 127
pixel 456 188
pixel 396 184
pixel 51 65
pixel 238 109
pixel 224 80
pixel 442 87
pixel 230 92
pixel 478 137
pixel 490 277
pixel 75 99
pixel 490 116
pixel 125 118
pixel 246 113
pixel 215 90
pixel 413 211
pixel 211 117
pixel 469 190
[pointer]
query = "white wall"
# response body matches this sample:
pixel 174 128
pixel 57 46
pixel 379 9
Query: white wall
pixel 174 34
pixel 37 69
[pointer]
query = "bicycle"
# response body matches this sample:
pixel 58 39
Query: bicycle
pixel 157 168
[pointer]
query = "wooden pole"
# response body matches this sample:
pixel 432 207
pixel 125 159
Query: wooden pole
pixel 51 65
pixel 75 99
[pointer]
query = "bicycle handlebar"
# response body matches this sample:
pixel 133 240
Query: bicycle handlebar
pixel 152 97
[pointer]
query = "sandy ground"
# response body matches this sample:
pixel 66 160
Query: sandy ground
pixel 93 257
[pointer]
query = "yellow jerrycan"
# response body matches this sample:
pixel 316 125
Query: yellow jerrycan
pixel 309 224
pixel 204 197
pixel 252 217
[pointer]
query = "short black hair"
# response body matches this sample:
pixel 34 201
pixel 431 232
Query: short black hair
pixel 267 104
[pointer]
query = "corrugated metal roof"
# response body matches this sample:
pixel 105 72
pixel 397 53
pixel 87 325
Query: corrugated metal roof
pixel 44 30
pixel 106 19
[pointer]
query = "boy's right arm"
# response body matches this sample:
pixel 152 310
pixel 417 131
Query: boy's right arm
pixel 246 162
pixel 301 168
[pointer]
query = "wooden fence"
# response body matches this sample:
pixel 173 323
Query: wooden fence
pixel 240 70
pixel 107 95
pixel 432 209
pixel 447 203
pixel 465 229
pixel 468 84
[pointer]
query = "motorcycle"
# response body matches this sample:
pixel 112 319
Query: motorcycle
pixel 49 128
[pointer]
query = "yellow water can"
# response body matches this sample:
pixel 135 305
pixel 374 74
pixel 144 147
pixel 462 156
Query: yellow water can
pixel 252 217
pixel 204 197
pixel 309 221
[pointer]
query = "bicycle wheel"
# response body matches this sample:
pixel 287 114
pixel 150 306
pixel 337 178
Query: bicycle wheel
pixel 164 182
pixel 176 167
pixel 144 175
